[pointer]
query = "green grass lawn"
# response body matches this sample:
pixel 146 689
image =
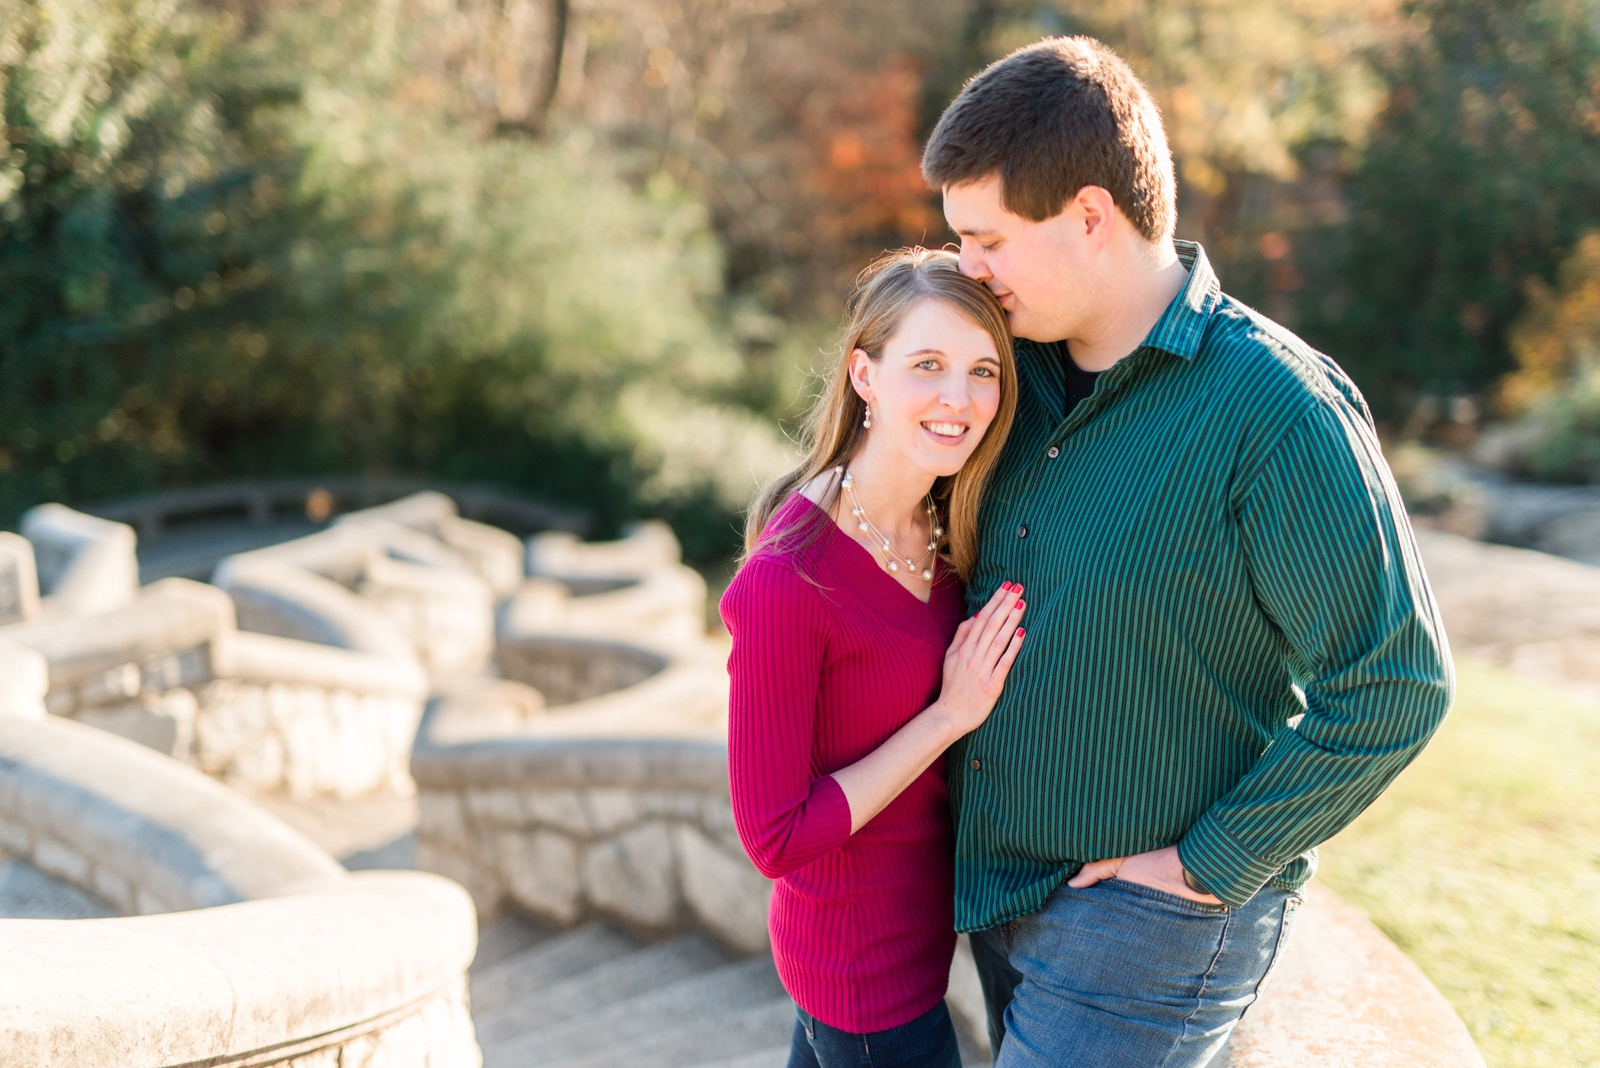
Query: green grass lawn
pixel 1482 862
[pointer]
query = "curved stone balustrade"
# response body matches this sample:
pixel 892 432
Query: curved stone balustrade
pixel 172 671
pixel 615 804
pixel 84 564
pixel 491 553
pixel 19 579
pixel 281 957
pixel 632 586
pixel 410 572
pixel 24 680
pixel 260 501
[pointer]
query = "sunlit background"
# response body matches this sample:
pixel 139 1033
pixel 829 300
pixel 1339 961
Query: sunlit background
pixel 590 251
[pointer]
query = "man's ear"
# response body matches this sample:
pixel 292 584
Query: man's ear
pixel 1099 213
pixel 861 367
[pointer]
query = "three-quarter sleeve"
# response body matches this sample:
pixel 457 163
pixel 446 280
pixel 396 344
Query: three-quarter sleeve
pixel 788 812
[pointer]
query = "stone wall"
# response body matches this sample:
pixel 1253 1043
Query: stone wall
pixel 85 564
pixel 307 965
pixel 19 580
pixel 172 672
pixel 613 805
pixel 409 573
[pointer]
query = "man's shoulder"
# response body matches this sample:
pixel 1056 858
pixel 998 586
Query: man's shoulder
pixel 1246 351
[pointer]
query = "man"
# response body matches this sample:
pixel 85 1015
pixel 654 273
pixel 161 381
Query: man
pixel 1232 649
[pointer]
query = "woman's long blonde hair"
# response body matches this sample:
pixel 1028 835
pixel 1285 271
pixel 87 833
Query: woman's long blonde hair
pixel 883 294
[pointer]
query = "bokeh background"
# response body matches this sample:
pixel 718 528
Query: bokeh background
pixel 592 251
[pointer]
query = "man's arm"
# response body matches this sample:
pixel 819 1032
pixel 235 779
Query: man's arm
pixel 1335 566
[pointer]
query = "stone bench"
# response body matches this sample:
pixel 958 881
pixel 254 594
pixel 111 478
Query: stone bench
pixel 240 942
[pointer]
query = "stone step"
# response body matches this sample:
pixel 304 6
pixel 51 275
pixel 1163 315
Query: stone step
pixel 703 1005
pixel 505 938
pixel 688 1042
pixel 590 990
pixel 773 1057
pixel 554 960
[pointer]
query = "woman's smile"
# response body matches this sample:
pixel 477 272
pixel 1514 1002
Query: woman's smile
pixel 946 433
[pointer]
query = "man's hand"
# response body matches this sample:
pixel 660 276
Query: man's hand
pixel 1160 870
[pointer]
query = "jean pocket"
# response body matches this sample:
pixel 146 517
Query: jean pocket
pixel 808 1022
pixel 1291 908
pixel 1173 900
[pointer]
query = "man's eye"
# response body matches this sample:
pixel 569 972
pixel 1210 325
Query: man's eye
pixel 989 248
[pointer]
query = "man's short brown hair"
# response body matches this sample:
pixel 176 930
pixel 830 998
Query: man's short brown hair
pixel 1050 119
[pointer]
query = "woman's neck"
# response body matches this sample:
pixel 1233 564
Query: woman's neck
pixel 893 492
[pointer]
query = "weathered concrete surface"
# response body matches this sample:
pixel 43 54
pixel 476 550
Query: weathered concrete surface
pixel 24 680
pixel 613 805
pixel 369 973
pixel 19 579
pixel 171 672
pixel 269 952
pixel 630 587
pixel 1343 994
pixel 85 564
pixel 1536 614
pixel 410 572
pixel 141 832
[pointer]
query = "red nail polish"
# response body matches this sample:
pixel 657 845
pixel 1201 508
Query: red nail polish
pixel 1017 589
pixel 1021 605
pixel 1005 585
pixel 1020 632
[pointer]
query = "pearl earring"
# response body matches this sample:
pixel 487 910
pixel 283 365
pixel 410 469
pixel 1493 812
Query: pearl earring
pixel 867 422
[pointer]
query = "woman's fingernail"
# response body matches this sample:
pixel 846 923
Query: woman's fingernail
pixel 1020 632
pixel 1005 585
pixel 1021 605
pixel 1017 589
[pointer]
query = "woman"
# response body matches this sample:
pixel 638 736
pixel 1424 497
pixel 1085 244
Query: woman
pixel 852 671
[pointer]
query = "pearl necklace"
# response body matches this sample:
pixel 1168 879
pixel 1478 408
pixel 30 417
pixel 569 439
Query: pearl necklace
pixel 866 526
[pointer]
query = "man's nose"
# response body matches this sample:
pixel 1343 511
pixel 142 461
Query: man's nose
pixel 971 263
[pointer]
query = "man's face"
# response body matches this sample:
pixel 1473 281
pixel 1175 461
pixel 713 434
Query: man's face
pixel 1040 271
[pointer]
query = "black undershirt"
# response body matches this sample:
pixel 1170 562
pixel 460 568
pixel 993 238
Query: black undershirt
pixel 1079 383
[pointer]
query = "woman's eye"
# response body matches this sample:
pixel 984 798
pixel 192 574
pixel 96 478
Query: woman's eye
pixel 986 372
pixel 929 365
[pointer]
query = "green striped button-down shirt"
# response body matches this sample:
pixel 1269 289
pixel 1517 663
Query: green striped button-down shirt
pixel 1212 546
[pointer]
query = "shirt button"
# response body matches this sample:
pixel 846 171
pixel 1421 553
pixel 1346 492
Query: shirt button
pixel 1053 453
pixel 1022 531
pixel 975 764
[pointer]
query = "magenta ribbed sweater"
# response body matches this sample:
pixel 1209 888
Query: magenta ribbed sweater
pixel 862 926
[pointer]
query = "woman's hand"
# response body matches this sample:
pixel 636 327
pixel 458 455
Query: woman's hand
pixel 975 669
pixel 979 658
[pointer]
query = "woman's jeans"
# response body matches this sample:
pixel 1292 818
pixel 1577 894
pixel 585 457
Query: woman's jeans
pixel 929 1041
pixel 1120 975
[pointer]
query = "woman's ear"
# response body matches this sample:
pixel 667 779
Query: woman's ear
pixel 861 368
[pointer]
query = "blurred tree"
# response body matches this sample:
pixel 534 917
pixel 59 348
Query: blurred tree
pixel 1556 341
pixel 1480 175
pixel 1554 394
pixel 263 253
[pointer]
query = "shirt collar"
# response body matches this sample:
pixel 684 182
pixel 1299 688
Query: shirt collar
pixel 1183 324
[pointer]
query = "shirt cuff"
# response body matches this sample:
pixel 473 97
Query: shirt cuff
pixel 1221 865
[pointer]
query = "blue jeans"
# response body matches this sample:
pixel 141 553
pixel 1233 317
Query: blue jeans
pixel 1120 975
pixel 929 1041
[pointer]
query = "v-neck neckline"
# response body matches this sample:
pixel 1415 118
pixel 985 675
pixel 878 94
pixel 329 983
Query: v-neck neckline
pixel 867 558
pixel 863 580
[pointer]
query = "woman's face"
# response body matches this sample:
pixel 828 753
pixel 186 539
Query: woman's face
pixel 934 391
